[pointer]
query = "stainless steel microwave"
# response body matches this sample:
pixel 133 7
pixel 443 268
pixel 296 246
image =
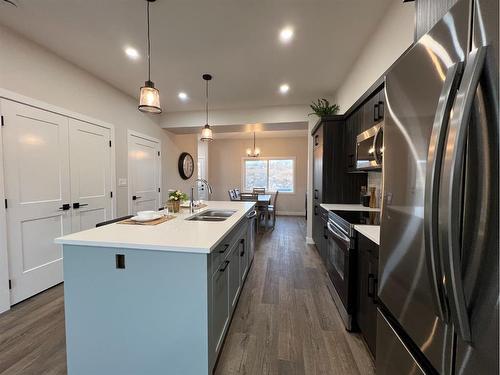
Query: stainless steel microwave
pixel 370 148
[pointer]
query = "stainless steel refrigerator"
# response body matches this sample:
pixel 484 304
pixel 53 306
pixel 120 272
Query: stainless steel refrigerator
pixel 438 270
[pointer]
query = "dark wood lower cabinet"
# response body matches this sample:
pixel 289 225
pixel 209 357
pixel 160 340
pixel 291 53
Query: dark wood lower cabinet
pixel 366 313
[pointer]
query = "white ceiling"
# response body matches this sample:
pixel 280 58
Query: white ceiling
pixel 235 40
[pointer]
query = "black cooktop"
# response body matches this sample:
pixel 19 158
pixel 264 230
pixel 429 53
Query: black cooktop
pixel 358 217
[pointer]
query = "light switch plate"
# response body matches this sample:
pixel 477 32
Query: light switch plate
pixel 122 182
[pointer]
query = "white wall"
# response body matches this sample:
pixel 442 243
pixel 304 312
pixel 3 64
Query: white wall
pixel 177 144
pixel 225 167
pixel 393 35
pixel 28 69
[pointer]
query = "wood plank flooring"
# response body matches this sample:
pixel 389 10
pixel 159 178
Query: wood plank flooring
pixel 285 322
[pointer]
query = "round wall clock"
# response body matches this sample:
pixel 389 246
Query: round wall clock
pixel 186 165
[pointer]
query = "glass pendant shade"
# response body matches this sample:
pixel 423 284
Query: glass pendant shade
pixel 206 134
pixel 149 98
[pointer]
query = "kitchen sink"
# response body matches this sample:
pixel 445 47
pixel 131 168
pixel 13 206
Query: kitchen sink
pixel 212 215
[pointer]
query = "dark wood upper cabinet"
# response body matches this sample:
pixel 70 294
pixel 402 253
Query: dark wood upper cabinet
pixel 331 182
pixel 368 114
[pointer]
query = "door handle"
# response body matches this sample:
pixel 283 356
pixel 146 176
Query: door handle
pixel 134 197
pixel 65 207
pixel 431 191
pixel 452 190
pixel 78 205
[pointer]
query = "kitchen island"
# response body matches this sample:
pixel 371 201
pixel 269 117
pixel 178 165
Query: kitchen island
pixel 154 299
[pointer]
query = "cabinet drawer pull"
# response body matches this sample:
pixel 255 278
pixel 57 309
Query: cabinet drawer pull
pixel 380 110
pixel 226 246
pixel 224 266
pixel 375 113
pixel 371 285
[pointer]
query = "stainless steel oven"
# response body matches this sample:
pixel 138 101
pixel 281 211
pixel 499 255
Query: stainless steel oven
pixel 370 148
pixel 341 265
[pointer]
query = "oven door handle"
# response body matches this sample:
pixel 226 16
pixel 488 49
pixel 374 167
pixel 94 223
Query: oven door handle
pixel 338 234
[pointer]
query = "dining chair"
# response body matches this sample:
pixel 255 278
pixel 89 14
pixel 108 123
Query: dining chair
pixel 272 208
pixel 258 190
pixel 237 193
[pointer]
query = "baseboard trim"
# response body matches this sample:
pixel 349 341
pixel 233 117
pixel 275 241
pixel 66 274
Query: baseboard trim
pixel 310 241
pixel 291 213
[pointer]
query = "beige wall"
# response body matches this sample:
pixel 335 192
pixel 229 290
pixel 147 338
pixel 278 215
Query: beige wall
pixel 393 35
pixel 177 144
pixel 30 70
pixel 225 160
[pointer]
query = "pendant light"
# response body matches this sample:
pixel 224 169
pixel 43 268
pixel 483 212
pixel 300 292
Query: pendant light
pixel 149 99
pixel 206 133
pixel 255 152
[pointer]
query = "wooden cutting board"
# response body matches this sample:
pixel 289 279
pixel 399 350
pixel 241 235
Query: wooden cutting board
pixel 152 222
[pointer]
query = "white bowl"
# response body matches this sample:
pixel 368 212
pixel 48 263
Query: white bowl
pixel 146 214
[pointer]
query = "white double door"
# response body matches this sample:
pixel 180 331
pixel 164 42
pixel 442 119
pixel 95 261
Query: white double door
pixel 144 164
pixel 57 179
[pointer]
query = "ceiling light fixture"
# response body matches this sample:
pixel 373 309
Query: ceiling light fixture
pixel 149 99
pixel 255 152
pixel 132 53
pixel 183 96
pixel 286 34
pixel 206 133
pixel 284 88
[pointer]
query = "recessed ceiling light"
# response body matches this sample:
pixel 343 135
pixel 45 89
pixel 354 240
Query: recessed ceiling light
pixel 286 34
pixel 132 53
pixel 183 96
pixel 284 88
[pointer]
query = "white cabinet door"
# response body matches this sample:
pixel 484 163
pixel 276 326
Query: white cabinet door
pixel 36 168
pixel 90 160
pixel 144 174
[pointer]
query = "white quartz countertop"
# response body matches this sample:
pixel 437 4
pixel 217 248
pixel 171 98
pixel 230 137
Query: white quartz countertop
pixel 347 207
pixel 178 235
pixel 370 231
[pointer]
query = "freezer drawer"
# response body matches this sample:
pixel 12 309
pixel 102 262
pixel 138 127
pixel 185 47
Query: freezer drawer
pixel 393 357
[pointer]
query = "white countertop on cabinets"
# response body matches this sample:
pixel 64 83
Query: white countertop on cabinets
pixel 177 235
pixel 370 231
pixel 347 207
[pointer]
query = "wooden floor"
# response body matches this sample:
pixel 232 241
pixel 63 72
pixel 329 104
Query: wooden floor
pixel 285 322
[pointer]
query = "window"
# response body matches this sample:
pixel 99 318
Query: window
pixel 270 173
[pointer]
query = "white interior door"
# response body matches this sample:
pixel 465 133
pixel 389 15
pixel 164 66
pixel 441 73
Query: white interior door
pixel 90 159
pixel 144 173
pixel 37 184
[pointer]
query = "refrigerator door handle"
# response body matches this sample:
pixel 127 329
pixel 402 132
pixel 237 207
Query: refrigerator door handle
pixel 452 183
pixel 433 171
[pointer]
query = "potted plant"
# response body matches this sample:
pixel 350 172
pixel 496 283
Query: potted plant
pixel 322 108
pixel 175 197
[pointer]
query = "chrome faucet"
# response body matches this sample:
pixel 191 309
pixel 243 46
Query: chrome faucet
pixel 209 187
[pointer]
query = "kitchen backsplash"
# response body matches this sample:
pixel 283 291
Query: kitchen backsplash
pixel 375 179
